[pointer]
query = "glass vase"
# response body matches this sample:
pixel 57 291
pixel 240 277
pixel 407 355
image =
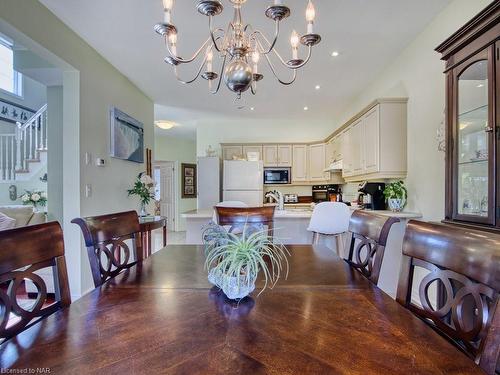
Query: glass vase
pixel 143 211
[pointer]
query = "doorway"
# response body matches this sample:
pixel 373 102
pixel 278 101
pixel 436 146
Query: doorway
pixel 165 187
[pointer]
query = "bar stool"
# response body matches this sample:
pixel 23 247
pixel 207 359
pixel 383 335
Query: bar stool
pixel 330 219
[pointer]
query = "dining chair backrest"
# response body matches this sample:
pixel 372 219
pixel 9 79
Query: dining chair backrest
pixel 366 242
pixel 105 238
pixel 227 204
pixel 330 218
pixel 239 218
pixel 23 251
pixel 465 264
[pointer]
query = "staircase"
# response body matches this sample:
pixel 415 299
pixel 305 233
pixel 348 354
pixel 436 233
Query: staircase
pixel 24 153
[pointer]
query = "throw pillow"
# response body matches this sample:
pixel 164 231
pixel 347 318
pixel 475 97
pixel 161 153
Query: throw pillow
pixel 6 222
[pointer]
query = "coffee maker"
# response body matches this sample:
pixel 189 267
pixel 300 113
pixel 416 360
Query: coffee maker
pixel 371 195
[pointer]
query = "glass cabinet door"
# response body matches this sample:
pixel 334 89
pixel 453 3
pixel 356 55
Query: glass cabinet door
pixel 474 131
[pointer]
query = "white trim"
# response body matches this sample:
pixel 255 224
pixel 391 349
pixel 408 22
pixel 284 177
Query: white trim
pixel 175 180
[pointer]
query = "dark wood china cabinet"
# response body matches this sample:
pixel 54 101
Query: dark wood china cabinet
pixel 472 56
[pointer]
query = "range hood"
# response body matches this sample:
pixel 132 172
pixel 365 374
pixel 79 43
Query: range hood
pixel 336 166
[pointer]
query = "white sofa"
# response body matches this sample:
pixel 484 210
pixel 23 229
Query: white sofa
pixel 24 215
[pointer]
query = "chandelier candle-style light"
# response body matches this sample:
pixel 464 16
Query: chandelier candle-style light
pixel 239 47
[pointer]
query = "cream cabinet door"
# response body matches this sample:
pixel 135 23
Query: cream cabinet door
pixel 330 152
pixel 228 152
pixel 356 147
pixel 337 147
pixel 270 155
pixel 284 156
pixel 347 153
pixel 299 163
pixel 247 149
pixel 317 162
pixel 371 141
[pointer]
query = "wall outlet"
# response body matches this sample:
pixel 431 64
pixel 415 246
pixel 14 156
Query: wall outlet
pixel 88 191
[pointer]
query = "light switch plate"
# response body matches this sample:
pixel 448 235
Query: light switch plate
pixel 88 158
pixel 100 162
pixel 88 191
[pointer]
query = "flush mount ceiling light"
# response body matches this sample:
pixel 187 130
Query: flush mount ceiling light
pixel 165 125
pixel 335 54
pixel 239 47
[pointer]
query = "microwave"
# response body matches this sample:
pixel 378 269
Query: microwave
pixel 276 176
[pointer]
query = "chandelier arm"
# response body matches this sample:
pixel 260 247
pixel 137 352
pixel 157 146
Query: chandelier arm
pixel 195 78
pixel 212 32
pixel 275 40
pixel 271 66
pixel 184 61
pixel 220 76
pixel 295 67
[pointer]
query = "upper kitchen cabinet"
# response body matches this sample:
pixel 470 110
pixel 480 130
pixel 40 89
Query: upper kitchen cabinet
pixel 277 155
pixel 472 56
pixel 299 163
pixel 229 152
pixel 374 144
pixel 317 162
pixel 257 149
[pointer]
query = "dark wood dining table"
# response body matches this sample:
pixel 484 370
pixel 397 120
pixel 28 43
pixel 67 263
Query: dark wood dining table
pixel 162 316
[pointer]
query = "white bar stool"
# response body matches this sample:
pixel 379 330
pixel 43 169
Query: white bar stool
pixel 330 219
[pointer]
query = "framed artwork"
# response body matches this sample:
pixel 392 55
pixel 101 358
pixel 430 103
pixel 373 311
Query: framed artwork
pixel 127 137
pixel 12 112
pixel 188 180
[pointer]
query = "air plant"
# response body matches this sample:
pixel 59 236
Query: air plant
pixel 240 256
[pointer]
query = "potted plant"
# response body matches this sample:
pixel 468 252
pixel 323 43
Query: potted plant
pixel 34 198
pixel 233 261
pixel 395 193
pixel 144 189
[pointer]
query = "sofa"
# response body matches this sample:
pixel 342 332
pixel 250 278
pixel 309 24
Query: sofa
pixel 24 215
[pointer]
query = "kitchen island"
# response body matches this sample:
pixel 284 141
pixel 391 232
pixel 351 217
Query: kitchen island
pixel 291 228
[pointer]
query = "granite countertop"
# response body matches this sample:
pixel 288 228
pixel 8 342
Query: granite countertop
pixel 298 213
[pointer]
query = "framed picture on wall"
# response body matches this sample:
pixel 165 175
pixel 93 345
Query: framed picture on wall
pixel 188 180
pixel 127 137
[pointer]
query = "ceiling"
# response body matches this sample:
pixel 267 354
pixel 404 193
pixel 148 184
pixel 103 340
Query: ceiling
pixel 368 34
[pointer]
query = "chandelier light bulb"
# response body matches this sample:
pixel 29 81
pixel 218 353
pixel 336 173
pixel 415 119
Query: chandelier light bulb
pixel 167 5
pixel 172 38
pixel 310 16
pixel 210 57
pixel 255 59
pixel 294 40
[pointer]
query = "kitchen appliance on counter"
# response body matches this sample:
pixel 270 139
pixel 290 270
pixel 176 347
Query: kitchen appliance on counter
pixel 280 176
pixel 291 198
pixel 325 193
pixel 371 195
pixel 242 181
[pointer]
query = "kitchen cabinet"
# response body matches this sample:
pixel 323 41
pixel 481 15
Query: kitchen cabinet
pixel 317 163
pixel 371 143
pixel 231 152
pixel 337 148
pixel 277 155
pixel 299 163
pixel 329 151
pixel 247 149
pixel 472 71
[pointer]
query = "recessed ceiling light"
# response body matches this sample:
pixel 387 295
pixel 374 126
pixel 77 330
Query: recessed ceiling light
pixel 335 53
pixel 317 87
pixel 165 124
pixel 306 108
pixel 252 109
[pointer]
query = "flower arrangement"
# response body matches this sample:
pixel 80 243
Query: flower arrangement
pixel 144 189
pixel 34 198
pixel 395 193
pixel 234 260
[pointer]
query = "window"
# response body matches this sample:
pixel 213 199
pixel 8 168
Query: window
pixel 10 80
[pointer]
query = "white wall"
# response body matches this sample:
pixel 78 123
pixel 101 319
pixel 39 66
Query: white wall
pixel 417 73
pixel 182 151
pixel 91 86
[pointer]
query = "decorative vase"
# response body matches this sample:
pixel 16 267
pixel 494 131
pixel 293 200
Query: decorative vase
pixel 396 205
pixel 143 211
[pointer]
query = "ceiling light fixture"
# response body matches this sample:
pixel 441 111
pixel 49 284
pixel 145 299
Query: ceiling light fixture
pixel 317 87
pixel 306 108
pixel 239 46
pixel 165 124
pixel 335 53
pixel 252 108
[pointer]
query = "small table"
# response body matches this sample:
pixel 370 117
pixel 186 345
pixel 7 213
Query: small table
pixel 149 224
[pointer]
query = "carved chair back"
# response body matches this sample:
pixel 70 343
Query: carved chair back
pixel 105 238
pixel 254 218
pixel 465 265
pixel 368 234
pixel 23 251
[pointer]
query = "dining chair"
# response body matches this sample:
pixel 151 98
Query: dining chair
pixel 465 265
pixel 238 218
pixel 25 250
pixel 330 219
pixel 227 204
pixel 366 242
pixel 105 238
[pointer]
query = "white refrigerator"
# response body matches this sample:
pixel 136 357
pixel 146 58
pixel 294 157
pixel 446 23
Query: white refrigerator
pixel 244 181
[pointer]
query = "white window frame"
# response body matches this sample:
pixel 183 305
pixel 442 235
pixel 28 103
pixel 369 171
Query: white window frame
pixel 18 77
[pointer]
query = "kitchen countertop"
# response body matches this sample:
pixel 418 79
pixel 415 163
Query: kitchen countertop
pixel 299 213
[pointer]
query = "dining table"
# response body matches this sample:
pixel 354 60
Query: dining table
pixel 163 316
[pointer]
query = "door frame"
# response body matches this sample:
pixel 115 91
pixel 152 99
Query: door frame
pixel 175 166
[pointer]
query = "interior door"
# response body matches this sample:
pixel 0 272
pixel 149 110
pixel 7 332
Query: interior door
pixel 165 191
pixel 474 133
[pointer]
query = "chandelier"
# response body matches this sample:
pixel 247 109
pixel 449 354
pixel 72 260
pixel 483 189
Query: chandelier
pixel 239 46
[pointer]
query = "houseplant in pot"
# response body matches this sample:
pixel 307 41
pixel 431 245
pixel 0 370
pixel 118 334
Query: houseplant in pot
pixel 234 260
pixel 395 193
pixel 144 189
